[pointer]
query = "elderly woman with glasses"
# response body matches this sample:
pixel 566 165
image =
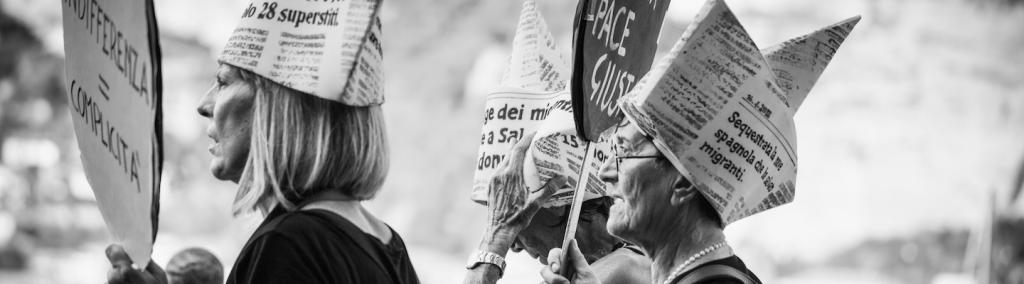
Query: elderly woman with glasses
pixel 657 208
pixel 675 186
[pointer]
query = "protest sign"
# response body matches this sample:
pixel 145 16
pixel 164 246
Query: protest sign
pixel 532 98
pixel 614 46
pixel 330 49
pixel 722 112
pixel 113 74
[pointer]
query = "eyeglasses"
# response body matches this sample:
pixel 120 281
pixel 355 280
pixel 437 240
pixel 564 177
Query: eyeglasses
pixel 618 157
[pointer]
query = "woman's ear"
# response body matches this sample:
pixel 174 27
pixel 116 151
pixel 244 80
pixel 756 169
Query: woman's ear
pixel 682 191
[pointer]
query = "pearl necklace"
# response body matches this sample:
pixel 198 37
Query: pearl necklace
pixel 679 269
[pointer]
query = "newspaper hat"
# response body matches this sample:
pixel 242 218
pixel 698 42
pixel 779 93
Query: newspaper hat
pixel 536 77
pixel 721 111
pixel 535 63
pixel 797 63
pixel 329 49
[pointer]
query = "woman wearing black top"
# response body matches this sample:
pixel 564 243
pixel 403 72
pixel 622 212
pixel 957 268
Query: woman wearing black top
pixel 305 159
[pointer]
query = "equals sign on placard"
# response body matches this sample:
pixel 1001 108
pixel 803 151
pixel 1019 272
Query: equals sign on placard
pixel 104 87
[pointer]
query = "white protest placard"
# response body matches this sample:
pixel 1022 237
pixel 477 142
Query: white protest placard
pixel 330 49
pixel 114 94
pixel 556 150
pixel 533 98
pixel 723 114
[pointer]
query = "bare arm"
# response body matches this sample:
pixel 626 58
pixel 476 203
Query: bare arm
pixel 497 241
pixel 511 206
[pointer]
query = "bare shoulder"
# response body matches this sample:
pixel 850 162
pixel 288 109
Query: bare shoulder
pixel 623 266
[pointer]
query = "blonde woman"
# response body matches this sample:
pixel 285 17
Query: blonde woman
pixel 305 151
pixel 307 163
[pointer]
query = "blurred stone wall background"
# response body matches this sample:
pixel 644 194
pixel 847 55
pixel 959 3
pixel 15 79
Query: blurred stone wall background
pixel 909 135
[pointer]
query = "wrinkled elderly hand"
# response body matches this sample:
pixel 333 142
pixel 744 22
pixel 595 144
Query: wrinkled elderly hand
pixel 122 272
pixel 581 273
pixel 510 204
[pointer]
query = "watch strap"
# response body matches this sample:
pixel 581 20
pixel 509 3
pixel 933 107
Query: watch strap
pixel 482 256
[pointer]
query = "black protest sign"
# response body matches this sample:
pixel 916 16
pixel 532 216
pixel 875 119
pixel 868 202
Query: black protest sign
pixel 613 47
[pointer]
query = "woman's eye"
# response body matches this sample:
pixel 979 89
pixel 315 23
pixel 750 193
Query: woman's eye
pixel 220 82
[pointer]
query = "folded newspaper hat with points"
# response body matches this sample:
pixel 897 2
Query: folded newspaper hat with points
pixel 329 49
pixel 535 63
pixel 535 81
pixel 721 111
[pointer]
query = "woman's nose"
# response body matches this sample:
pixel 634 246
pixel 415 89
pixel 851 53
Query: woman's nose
pixel 205 108
pixel 609 172
pixel 204 111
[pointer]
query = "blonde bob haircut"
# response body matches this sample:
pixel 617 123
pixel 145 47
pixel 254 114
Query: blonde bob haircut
pixel 302 145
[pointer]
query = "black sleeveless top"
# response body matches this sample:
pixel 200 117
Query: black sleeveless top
pixel 318 246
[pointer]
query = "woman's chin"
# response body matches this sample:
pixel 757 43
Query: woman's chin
pixel 617 223
pixel 221 172
pixel 218 174
pixel 615 229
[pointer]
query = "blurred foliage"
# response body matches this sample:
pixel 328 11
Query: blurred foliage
pixel 914 259
pixel 32 111
pixel 31 82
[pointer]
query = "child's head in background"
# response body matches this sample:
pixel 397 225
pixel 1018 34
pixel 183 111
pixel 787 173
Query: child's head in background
pixel 194 266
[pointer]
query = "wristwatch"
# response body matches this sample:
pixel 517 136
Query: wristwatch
pixel 481 256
